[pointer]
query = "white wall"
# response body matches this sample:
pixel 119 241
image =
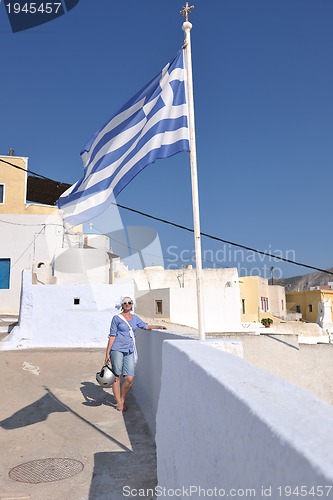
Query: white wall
pixel 226 424
pixel 49 318
pixel 221 297
pixel 145 302
pixel 221 307
pixel 101 241
pixel 147 382
pixel 277 296
pixel 150 278
pixel 81 266
pixel 24 239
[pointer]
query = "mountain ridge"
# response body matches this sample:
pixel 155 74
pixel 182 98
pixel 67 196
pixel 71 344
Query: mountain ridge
pixel 304 282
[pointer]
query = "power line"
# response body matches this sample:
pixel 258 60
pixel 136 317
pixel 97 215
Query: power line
pixel 174 224
pixel 28 171
pixel 29 225
pixel 32 242
pixel 6 275
pixel 216 238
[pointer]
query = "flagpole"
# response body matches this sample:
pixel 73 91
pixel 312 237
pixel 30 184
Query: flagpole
pixel 187 26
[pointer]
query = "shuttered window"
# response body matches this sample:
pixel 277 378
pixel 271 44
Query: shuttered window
pixel 4 273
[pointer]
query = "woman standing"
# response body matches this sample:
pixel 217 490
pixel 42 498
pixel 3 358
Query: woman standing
pixel 121 349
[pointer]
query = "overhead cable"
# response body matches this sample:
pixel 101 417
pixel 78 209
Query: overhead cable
pixel 28 171
pixel 216 238
pixel 212 237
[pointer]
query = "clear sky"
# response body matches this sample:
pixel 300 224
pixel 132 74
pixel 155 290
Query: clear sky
pixel 263 81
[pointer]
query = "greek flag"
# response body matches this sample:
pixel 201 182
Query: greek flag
pixel 151 125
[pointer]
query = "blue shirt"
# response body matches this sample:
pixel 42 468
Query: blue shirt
pixel 119 329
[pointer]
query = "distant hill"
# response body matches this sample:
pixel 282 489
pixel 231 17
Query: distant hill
pixel 304 282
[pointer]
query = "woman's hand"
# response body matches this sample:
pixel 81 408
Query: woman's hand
pixel 107 360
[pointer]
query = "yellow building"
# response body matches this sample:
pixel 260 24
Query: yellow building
pixel 14 188
pixel 306 302
pixel 261 300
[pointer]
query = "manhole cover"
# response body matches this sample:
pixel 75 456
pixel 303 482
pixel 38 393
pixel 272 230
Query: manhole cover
pixel 44 471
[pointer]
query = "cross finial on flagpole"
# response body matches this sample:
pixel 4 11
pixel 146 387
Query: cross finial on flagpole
pixel 186 10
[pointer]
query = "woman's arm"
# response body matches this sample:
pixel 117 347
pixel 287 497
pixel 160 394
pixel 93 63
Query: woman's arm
pixel 112 337
pixel 144 326
pixel 108 349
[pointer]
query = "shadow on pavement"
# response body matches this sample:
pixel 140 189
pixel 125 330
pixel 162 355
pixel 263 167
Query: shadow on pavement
pixel 117 474
pixel 41 409
pixel 120 475
pixel 33 413
pixel 95 395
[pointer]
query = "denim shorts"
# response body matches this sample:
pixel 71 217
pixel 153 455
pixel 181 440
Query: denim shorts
pixel 122 363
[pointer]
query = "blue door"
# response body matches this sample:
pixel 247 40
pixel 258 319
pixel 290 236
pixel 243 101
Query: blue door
pixel 4 273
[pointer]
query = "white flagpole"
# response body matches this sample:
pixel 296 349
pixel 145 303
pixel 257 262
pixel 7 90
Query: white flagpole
pixel 194 175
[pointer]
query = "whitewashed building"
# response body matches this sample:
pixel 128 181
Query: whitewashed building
pixel 57 282
pixel 33 237
pixel 170 294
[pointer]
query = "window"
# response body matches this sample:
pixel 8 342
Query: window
pixel 264 304
pixel 310 308
pixel 2 194
pixel 76 301
pixel 158 307
pixel 4 273
pixel 282 304
pixel 298 309
pixel 243 306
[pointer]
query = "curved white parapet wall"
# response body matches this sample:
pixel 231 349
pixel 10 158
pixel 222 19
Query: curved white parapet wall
pixel 147 384
pixel 222 423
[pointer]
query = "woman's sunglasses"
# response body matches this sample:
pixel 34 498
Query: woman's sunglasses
pixel 127 304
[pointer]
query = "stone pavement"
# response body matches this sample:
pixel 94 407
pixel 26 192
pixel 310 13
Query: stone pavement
pixel 52 408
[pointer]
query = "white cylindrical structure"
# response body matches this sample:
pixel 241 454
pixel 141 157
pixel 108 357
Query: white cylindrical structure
pixel 194 180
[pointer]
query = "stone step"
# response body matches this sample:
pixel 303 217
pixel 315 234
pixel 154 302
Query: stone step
pixel 7 323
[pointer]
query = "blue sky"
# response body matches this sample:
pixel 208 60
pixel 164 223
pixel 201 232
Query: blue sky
pixel 263 79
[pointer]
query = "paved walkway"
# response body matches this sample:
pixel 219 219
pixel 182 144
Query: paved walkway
pixel 52 408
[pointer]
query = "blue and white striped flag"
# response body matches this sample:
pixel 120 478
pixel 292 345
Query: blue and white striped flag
pixel 151 125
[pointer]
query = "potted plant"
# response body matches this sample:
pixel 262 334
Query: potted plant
pixel 266 322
